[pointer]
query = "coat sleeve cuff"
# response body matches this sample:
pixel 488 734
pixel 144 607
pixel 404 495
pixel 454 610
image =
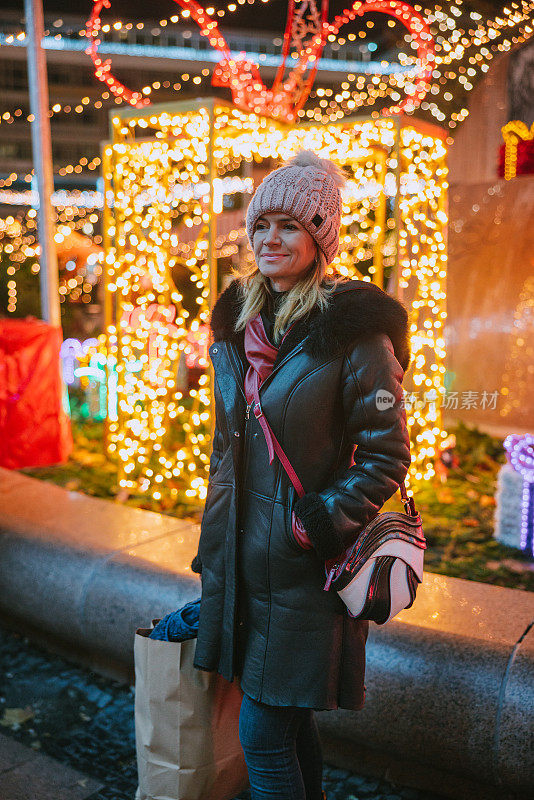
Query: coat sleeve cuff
pixel 312 512
pixel 196 565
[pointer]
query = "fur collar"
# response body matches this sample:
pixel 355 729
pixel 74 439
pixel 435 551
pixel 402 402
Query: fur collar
pixel 358 309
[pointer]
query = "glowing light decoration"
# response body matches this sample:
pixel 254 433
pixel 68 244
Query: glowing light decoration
pixel 93 377
pixel 159 433
pixel 97 375
pixel 72 350
pixel 103 68
pixel 518 378
pixel 196 351
pixel 305 35
pixel 85 365
pixel 20 250
pixel 520 452
pixel 393 224
pixel 306 32
pixel 513 133
pixel 421 39
pixel 158 322
pixel 465 42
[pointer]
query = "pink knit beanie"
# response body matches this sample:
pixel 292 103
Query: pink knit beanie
pixel 307 188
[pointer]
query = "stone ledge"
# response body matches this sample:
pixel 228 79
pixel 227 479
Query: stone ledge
pixel 88 571
pixel 450 682
pixel 457 701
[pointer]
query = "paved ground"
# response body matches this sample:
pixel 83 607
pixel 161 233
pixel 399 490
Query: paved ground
pixel 70 735
pixel 26 774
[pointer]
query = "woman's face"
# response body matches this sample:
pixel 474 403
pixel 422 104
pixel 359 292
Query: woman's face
pixel 283 249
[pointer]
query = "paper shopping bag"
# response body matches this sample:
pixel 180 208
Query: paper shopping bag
pixel 186 726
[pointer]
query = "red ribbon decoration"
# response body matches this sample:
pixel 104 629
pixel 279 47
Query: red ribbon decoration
pixel 286 97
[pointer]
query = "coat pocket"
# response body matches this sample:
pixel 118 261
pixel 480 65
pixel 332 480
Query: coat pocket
pixel 224 472
pixel 288 527
pixel 214 523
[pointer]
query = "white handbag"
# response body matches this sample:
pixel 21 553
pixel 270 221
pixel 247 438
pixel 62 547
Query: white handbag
pixel 379 574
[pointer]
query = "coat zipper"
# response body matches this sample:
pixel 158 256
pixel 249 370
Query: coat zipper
pixel 330 577
pixel 246 440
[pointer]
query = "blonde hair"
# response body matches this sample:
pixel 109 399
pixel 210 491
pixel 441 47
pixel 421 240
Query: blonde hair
pixel 309 292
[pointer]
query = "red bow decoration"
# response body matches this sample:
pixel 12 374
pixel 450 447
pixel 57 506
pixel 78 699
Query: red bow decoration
pixel 306 32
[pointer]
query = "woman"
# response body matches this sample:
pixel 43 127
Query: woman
pixel 319 352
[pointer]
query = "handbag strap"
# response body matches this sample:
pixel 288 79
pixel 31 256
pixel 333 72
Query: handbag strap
pixel 408 502
pixel 269 436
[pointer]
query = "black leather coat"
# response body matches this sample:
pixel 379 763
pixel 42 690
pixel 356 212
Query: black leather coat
pixel 264 614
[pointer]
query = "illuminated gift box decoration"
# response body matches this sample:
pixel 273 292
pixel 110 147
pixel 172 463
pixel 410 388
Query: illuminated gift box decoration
pixel 169 172
pixel 516 155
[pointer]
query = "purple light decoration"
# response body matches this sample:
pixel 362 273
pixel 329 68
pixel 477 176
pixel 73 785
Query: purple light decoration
pixel 71 351
pixel 520 451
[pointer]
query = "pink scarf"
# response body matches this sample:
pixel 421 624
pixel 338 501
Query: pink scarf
pixel 260 355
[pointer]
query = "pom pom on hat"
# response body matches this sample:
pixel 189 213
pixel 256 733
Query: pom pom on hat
pixel 306 188
pixel 307 158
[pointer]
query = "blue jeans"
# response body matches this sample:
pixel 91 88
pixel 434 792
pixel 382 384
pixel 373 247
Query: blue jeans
pixel 282 750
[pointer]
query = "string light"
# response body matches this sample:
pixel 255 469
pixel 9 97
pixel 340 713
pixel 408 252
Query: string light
pixel 19 247
pixel 444 79
pixel 68 108
pixel 103 68
pixel 394 215
pixel 83 163
pixel 481 42
pixel 517 374
pixel 78 286
pixel 455 45
pixel 61 198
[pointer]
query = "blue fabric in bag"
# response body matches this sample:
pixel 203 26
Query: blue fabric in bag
pixel 178 626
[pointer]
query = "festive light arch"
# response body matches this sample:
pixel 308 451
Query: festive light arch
pixel 307 30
